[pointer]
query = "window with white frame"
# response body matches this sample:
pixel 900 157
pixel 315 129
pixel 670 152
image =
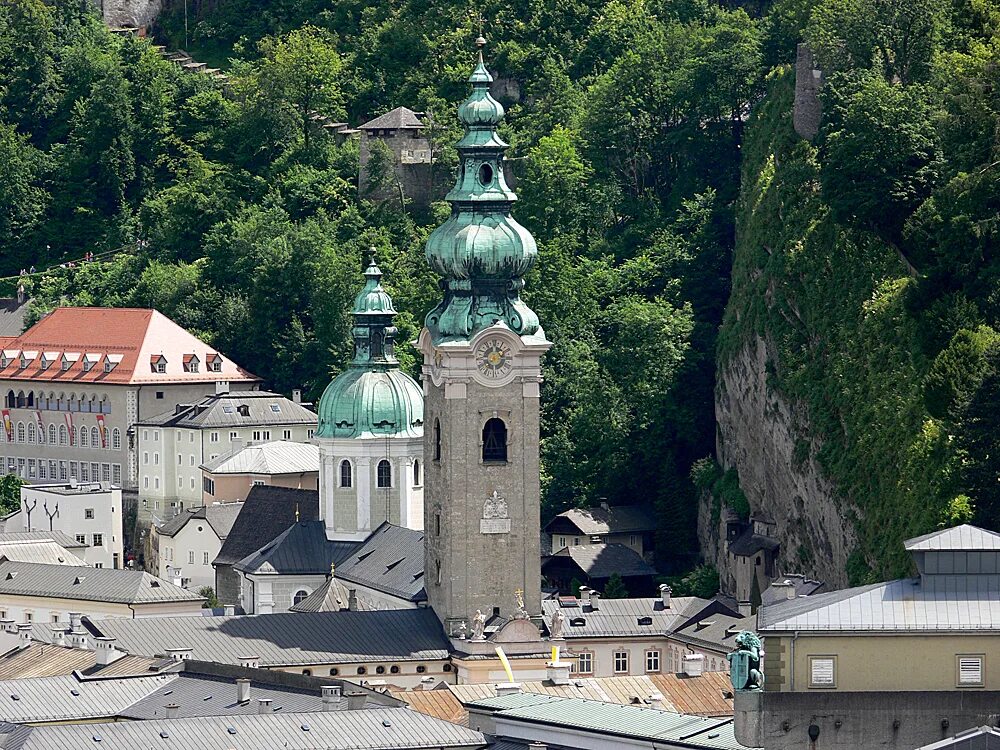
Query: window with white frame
pixel 822 671
pixel 88 513
pixel 970 670
pixel 652 660
pixel 190 557
pixel 621 662
pixel 585 662
pixel 81 538
pixel 204 558
pixel 98 540
pixel 213 437
pixel 116 473
pixel 286 434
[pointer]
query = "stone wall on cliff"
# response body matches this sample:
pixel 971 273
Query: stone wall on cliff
pixel 766 440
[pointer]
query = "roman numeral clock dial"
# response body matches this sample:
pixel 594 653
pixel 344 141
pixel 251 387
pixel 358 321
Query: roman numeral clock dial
pixel 494 359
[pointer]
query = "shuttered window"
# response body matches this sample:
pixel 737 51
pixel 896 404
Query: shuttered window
pixel 822 671
pixel 970 671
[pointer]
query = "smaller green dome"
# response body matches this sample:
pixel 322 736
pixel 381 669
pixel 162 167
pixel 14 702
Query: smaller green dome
pixel 373 298
pixel 480 109
pixel 361 403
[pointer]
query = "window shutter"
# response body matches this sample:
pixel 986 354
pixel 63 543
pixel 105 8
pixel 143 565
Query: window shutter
pixel 970 670
pixel 822 672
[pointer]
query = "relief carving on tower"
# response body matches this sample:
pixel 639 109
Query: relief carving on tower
pixel 496 519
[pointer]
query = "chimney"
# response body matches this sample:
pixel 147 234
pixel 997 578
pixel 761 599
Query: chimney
pixel 557 672
pixel 7 626
pixel 665 592
pixel 107 653
pixel 221 387
pixel 75 622
pixel 331 697
pixel 356 701
pixel 507 688
pixel 24 633
pixel 537 746
pixel 604 504
pixel 427 683
pixel 263 705
pixel 297 395
pixel 58 636
pixel 172 710
pixel 242 690
pixel 744 609
pixel 175 576
pixel 584 594
pixel 229 610
pixel 178 654
pixel 352 600
pixel 694 665
pixel 237 445
pixel 249 662
pixel 790 592
pixel 595 600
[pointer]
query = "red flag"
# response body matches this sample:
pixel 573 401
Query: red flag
pixel 68 416
pixel 100 427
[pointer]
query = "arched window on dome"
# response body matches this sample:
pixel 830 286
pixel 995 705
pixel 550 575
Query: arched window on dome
pixel 346 476
pixel 495 441
pixel 384 474
pixel 299 597
pixel 437 439
pixel 416 473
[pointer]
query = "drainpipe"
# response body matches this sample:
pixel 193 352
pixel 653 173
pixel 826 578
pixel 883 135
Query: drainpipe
pixel 791 661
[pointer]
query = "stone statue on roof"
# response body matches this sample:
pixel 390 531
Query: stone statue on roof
pixel 556 625
pixel 478 625
pixel 746 663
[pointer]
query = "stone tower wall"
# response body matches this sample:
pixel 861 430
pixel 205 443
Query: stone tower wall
pixel 808 109
pixel 413 166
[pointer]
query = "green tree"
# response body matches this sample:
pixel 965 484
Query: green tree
pixel 23 199
pixel 211 600
pixel 10 493
pixel 978 439
pixel 615 588
pixel 553 191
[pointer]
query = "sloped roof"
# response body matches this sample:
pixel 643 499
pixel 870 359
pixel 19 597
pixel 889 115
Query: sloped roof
pixel 977 738
pixel 272 457
pixel 219 516
pixel 964 537
pixel 89 584
pixel 623 690
pixel 62 539
pixel 938 603
pixel 332 596
pixel 441 704
pixel 621 617
pixel 391 560
pixel 704 695
pixel 127 336
pixel 65 698
pixel 715 631
pixel 267 513
pixel 12 316
pixel 39 552
pixel 803 587
pixel 748 543
pixel 224 410
pixel 616 519
pixel 397 118
pixel 288 638
pixel 301 549
pixel 604 560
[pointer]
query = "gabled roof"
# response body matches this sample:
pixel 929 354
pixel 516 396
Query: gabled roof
pixel 12 316
pixel 128 337
pixel 89 584
pixel 267 513
pixel 625 617
pixel 964 537
pixel 400 117
pixel 748 543
pixel 46 660
pixel 803 587
pixel 604 560
pixel 391 560
pixel 714 631
pixel 288 638
pixel 332 596
pixel 234 409
pixel 39 552
pixel 615 519
pixel 219 516
pixel 62 539
pixel 272 457
pixel 301 549
pixel 623 690
pixel 66 698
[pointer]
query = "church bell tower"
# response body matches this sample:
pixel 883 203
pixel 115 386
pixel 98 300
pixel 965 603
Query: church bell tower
pixel 482 348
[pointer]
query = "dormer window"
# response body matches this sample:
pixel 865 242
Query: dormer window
pixel 108 366
pixel 191 363
pixel 158 364
pixel 68 358
pixel 46 362
pixel 214 362
pixel 27 358
pixel 89 360
pixel 111 361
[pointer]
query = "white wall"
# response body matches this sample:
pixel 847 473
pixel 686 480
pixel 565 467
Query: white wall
pixel 105 507
pixel 196 539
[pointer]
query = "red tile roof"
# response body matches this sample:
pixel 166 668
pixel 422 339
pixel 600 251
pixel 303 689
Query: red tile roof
pixel 124 337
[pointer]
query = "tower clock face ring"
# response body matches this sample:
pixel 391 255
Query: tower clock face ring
pixel 494 358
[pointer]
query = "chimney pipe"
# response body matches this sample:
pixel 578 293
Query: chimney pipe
pixel 507 688
pixel 175 576
pixel 790 592
pixel 331 697
pixel 24 633
pixel 297 395
pixel 75 622
pixel 172 710
pixel 263 705
pixel 352 600
pixel 665 592
pixel 427 683
pixel 557 672
pixel 249 662
pixel 745 609
pixel 58 636
pixel 106 651
pixel 584 594
pixel 595 600
pixel 242 690
pixel 356 701
pixel 694 665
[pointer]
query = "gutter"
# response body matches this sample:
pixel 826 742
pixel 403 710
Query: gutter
pixel 791 662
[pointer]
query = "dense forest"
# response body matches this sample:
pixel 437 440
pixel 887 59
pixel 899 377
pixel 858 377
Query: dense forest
pixel 656 163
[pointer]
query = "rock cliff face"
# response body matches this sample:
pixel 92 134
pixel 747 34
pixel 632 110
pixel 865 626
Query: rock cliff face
pixel 129 13
pixel 760 435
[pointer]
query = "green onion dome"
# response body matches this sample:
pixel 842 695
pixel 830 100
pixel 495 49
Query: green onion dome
pixel 372 397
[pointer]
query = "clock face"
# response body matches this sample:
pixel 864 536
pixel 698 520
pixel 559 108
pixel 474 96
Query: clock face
pixel 494 358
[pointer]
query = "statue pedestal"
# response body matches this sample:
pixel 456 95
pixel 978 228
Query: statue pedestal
pixel 748 717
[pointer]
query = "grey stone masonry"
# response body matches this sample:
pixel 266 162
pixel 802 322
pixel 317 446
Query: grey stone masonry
pixel 808 109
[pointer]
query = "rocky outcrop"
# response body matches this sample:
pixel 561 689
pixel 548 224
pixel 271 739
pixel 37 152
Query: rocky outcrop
pixel 766 439
pixel 129 14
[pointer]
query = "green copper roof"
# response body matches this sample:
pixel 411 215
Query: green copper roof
pixel 481 252
pixel 373 397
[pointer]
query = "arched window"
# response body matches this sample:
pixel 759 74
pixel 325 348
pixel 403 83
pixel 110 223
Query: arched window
pixel 95 438
pixel 345 474
pixel 31 399
pixel 20 432
pixel 116 439
pixel 106 443
pixel 52 433
pixel 84 437
pixel 416 473
pixel 11 401
pixel 63 435
pixel 21 400
pixel 300 596
pixel 495 440
pixel 31 432
pixel 437 439
pixel 384 473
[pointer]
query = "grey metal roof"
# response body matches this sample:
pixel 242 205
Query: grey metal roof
pixel 62 539
pixel 803 587
pixel 223 410
pixel 748 543
pixel 376 729
pixel 89 584
pixel 301 549
pixel 937 603
pixel 977 738
pixel 391 560
pixel 657 725
pixel 621 617
pixel 39 552
pixel 220 516
pixel 288 638
pixel 332 596
pixel 12 315
pixel 272 457
pixel 615 519
pixel 716 631
pixel 65 698
pixel 604 560
pixel 964 537
pixel 400 117
pixel 267 512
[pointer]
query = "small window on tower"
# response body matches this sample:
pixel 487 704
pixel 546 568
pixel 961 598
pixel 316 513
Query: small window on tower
pixel 384 473
pixel 495 441
pixel 345 473
pixel 485 175
pixel 437 440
